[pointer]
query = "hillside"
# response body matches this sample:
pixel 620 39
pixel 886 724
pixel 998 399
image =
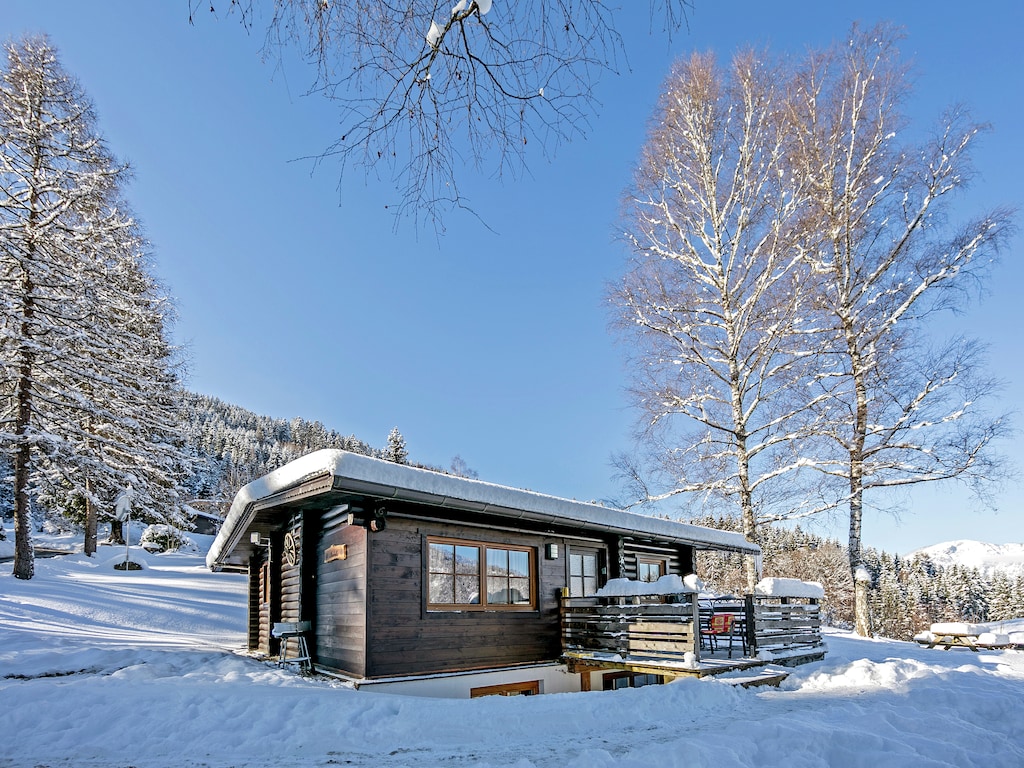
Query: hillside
pixel 988 559
pixel 233 445
pixel 101 668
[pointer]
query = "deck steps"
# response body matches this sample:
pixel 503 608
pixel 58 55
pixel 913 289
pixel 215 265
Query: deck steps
pixel 754 678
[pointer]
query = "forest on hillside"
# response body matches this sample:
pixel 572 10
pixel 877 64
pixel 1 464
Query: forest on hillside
pixel 907 593
pixel 222 447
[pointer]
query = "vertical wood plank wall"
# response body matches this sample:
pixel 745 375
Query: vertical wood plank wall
pixel 339 629
pixel 255 591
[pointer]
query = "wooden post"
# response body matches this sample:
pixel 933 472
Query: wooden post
pixel 585 679
pixel 748 611
pixel 696 625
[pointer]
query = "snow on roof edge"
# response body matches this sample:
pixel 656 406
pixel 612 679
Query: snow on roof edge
pixel 352 466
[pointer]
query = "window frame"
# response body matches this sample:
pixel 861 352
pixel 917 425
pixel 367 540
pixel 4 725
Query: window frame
pixel 482 576
pixel 609 680
pixel 658 561
pixel 526 688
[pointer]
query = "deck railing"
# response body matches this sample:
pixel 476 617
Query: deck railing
pixel 784 626
pixel 665 629
pixel 631 628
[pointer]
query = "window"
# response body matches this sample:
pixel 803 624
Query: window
pixel 531 688
pixel 649 570
pixel 615 680
pixel 582 574
pixel 457 569
pixel 265 583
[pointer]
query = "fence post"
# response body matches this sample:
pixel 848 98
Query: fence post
pixel 695 605
pixel 748 610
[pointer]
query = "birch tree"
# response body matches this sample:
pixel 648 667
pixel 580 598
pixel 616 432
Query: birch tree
pixel 713 305
pixel 427 88
pixel 78 390
pixel 883 242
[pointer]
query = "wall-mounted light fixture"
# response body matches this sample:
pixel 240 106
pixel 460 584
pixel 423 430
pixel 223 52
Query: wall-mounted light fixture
pixel 551 550
pixel 261 541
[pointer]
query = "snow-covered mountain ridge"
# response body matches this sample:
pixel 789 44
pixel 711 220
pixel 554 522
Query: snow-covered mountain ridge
pixel 987 558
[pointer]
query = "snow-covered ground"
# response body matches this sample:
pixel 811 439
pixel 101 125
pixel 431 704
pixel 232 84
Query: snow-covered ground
pixel 106 668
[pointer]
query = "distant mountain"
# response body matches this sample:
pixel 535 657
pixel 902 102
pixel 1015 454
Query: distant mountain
pixel 987 558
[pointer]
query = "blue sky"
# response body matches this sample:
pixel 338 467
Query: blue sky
pixel 297 296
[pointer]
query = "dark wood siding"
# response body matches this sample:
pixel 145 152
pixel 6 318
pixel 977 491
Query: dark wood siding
pixel 405 638
pixel 340 606
pixel 267 581
pixel 290 609
pixel 679 560
pixel 253 634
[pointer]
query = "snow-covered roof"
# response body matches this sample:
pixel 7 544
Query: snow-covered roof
pixel 343 471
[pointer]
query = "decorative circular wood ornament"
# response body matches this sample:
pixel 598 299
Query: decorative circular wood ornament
pixel 291 548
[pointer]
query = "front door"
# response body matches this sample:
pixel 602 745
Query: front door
pixel 584 578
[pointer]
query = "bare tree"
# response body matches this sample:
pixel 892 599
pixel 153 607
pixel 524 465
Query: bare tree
pixel 425 87
pixel 880 239
pixel 714 303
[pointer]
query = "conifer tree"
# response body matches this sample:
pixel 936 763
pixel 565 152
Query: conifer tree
pixel 395 450
pixel 87 374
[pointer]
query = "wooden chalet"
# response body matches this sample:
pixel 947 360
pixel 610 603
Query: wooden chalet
pixel 420 582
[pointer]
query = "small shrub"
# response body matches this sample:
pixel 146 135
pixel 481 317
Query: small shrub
pixel 164 538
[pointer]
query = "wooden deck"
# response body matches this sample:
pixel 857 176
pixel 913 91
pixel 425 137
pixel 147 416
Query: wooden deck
pixel 661 635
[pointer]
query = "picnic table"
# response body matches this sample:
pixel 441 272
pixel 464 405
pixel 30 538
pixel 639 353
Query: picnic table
pixel 962 635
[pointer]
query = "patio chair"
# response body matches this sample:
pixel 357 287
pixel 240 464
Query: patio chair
pixel 719 625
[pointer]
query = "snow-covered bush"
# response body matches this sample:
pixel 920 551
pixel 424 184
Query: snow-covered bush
pixel 165 538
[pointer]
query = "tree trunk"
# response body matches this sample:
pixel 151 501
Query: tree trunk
pixel 24 555
pixel 90 525
pixel 861 610
pixel 116 533
pixel 861 607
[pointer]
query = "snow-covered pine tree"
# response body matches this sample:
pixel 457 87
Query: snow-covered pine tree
pixel 395 450
pixel 1001 602
pixel 80 397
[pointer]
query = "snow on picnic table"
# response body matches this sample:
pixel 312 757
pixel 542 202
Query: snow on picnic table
pixel 107 668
